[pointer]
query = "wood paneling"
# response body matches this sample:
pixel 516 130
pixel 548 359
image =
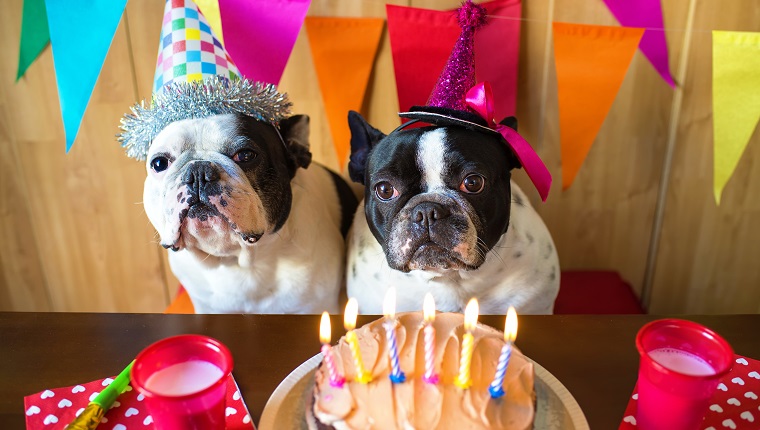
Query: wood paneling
pixel 95 243
pixel 75 236
pixel 708 255
pixel 22 284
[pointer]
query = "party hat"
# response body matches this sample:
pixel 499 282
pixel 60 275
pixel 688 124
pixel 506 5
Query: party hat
pixel 195 78
pixel 457 100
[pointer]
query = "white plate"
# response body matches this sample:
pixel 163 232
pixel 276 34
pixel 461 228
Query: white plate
pixel 555 407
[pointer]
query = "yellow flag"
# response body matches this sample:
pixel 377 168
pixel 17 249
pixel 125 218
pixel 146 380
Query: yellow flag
pixel 736 100
pixel 210 9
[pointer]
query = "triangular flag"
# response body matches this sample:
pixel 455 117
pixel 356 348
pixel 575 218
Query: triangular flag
pixel 34 34
pixel 418 58
pixel 736 100
pixel 646 14
pixel 343 52
pixel 591 63
pixel 260 35
pixel 210 9
pixel 80 37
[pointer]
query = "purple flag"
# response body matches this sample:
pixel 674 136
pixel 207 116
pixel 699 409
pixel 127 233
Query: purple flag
pixel 259 35
pixel 646 14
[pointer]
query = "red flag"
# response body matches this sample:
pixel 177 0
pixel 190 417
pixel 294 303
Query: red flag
pixel 421 41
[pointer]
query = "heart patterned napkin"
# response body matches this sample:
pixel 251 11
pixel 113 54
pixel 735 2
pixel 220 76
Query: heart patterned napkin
pixel 55 408
pixel 734 406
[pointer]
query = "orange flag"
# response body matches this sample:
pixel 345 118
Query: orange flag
pixel 591 62
pixel 343 52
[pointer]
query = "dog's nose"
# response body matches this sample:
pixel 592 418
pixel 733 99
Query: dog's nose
pixel 199 174
pixel 427 213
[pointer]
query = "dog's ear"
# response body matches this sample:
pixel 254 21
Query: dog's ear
pixel 511 122
pixel 295 133
pixel 363 138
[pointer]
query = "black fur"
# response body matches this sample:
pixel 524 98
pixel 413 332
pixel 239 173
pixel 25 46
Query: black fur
pixel 348 202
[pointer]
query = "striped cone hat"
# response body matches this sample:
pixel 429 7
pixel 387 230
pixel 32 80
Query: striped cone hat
pixel 195 78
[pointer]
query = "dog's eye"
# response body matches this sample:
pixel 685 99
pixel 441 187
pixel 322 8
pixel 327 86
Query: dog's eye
pixel 385 191
pixel 244 156
pixel 160 163
pixel 472 184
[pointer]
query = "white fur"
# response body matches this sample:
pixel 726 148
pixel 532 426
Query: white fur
pixel 430 158
pixel 503 280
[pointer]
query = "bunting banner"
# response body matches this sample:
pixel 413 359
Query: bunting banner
pixel 343 51
pixel 591 63
pixel 418 58
pixel 210 9
pixel 646 14
pixel 80 38
pixel 736 100
pixel 34 34
pixel 260 35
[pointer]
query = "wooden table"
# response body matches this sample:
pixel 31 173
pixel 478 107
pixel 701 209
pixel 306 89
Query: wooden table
pixel 593 356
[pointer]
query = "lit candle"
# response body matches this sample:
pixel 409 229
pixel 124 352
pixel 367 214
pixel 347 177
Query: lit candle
pixel 428 308
pixel 349 322
pixel 336 380
pixel 463 380
pixel 510 333
pixel 389 310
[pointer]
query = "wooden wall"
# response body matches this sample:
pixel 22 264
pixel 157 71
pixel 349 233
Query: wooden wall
pixel 75 236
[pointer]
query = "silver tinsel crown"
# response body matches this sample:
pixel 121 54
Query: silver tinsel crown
pixel 199 99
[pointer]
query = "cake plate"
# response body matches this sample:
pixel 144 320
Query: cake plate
pixel 556 409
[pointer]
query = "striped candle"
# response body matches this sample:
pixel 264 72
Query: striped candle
pixel 349 323
pixel 336 379
pixel 510 333
pixel 389 309
pixel 428 309
pixel 463 379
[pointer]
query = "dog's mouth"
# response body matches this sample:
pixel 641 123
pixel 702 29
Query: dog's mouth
pixel 200 220
pixel 432 256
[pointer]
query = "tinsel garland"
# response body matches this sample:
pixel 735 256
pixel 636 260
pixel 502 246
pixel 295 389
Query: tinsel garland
pixel 199 99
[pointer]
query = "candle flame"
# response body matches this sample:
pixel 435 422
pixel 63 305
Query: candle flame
pixel 428 308
pixel 510 327
pixel 389 304
pixel 471 315
pixel 349 316
pixel 324 328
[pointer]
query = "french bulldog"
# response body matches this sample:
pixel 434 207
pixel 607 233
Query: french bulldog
pixel 440 214
pixel 251 229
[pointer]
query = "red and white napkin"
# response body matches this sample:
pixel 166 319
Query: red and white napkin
pixel 55 408
pixel 734 406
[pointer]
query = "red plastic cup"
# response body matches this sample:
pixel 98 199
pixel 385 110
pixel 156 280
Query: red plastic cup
pixel 681 363
pixel 184 381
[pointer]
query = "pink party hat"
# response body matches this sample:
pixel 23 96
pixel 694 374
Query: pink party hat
pixel 195 78
pixel 457 100
pixel 458 75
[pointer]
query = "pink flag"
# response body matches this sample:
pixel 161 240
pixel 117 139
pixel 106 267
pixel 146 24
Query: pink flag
pixel 259 35
pixel 419 58
pixel 646 14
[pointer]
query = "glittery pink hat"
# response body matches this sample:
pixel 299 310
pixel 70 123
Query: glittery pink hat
pixel 457 100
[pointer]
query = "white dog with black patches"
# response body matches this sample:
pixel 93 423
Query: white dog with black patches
pixel 252 230
pixel 441 215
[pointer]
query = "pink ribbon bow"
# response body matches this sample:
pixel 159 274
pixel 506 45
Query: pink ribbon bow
pixel 480 99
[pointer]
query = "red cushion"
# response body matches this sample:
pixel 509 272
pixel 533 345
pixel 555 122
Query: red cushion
pixel 595 292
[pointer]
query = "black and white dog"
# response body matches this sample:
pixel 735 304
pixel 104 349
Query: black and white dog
pixel 441 215
pixel 252 229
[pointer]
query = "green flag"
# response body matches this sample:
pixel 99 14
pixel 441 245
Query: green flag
pixel 34 34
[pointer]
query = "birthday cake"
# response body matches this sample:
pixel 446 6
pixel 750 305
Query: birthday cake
pixel 415 403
